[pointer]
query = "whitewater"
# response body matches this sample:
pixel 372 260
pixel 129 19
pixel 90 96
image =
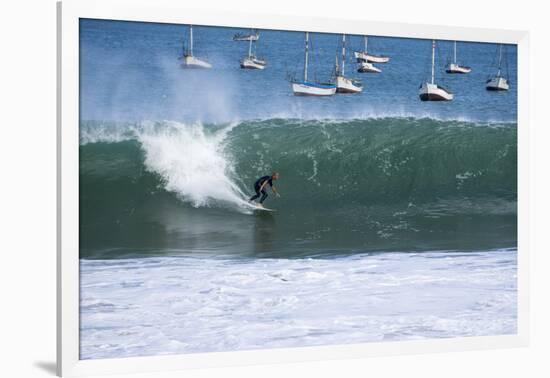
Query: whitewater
pixel 188 305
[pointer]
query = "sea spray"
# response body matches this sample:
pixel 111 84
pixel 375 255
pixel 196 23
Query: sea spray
pixel 192 164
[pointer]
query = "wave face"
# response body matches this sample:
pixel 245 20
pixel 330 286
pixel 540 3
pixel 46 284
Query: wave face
pixel 379 161
pixel 379 183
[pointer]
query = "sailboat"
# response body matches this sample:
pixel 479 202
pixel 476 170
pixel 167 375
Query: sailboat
pixel 364 56
pixel 251 61
pixel 498 82
pixel 454 67
pixel 309 88
pixel 431 91
pixel 252 36
pixel 344 84
pixel 366 67
pixel 189 60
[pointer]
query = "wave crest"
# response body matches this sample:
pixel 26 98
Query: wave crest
pixel 334 162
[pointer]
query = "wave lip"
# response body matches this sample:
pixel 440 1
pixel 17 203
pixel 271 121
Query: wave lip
pixel 192 163
pixel 189 159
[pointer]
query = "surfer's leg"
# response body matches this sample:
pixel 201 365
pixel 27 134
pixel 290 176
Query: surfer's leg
pixel 257 195
pixel 264 196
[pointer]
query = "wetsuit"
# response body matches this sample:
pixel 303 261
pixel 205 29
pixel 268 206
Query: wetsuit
pixel 258 184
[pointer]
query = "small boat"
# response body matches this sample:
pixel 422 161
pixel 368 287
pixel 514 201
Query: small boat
pixel 364 56
pixel 429 91
pixel 310 88
pixel 344 84
pixel 366 67
pixel 454 67
pixel 188 59
pixel 498 82
pixel 251 61
pixel 252 36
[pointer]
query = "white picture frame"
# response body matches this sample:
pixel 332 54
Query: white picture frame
pixel 172 11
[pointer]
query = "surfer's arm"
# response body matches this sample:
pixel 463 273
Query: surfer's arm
pixel 263 185
pixel 275 191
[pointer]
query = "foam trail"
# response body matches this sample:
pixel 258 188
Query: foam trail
pixel 192 164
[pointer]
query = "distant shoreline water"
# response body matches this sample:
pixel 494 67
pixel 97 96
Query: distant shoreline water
pixel 132 71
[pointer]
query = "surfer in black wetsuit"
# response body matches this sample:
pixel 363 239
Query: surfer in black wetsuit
pixel 260 186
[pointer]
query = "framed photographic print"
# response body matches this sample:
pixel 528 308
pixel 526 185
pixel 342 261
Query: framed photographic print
pixel 285 189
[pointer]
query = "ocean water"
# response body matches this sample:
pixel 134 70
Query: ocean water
pixel 167 305
pixel 397 218
pixel 130 71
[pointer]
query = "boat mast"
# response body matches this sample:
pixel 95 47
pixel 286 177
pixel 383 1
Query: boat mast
pixel 343 53
pixel 499 58
pixel 306 57
pixel 433 60
pixel 191 40
pixel 455 54
pixel 250 48
pixel 365 44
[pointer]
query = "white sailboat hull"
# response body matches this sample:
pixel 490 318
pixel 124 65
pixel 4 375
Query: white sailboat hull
pixel 263 62
pixel 345 85
pixel 497 83
pixel 366 67
pixel 363 56
pixel 190 61
pixel 454 68
pixel 247 38
pixel 253 64
pixel 310 89
pixel 433 92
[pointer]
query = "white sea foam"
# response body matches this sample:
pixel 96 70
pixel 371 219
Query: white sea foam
pixel 189 158
pixel 156 306
pixel 193 164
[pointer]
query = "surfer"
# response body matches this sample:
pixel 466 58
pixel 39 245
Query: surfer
pixel 260 186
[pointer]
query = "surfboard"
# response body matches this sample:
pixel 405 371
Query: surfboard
pixel 263 208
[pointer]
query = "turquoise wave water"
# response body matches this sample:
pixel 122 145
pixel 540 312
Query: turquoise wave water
pixel 347 186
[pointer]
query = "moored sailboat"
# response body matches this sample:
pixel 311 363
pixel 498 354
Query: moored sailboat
pixel 252 36
pixel 188 59
pixel 344 84
pixel 455 68
pixel 310 88
pixel 429 91
pixel 364 56
pixel 366 67
pixel 498 82
pixel 251 61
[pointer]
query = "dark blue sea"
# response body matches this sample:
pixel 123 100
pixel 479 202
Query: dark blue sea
pixel 131 71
